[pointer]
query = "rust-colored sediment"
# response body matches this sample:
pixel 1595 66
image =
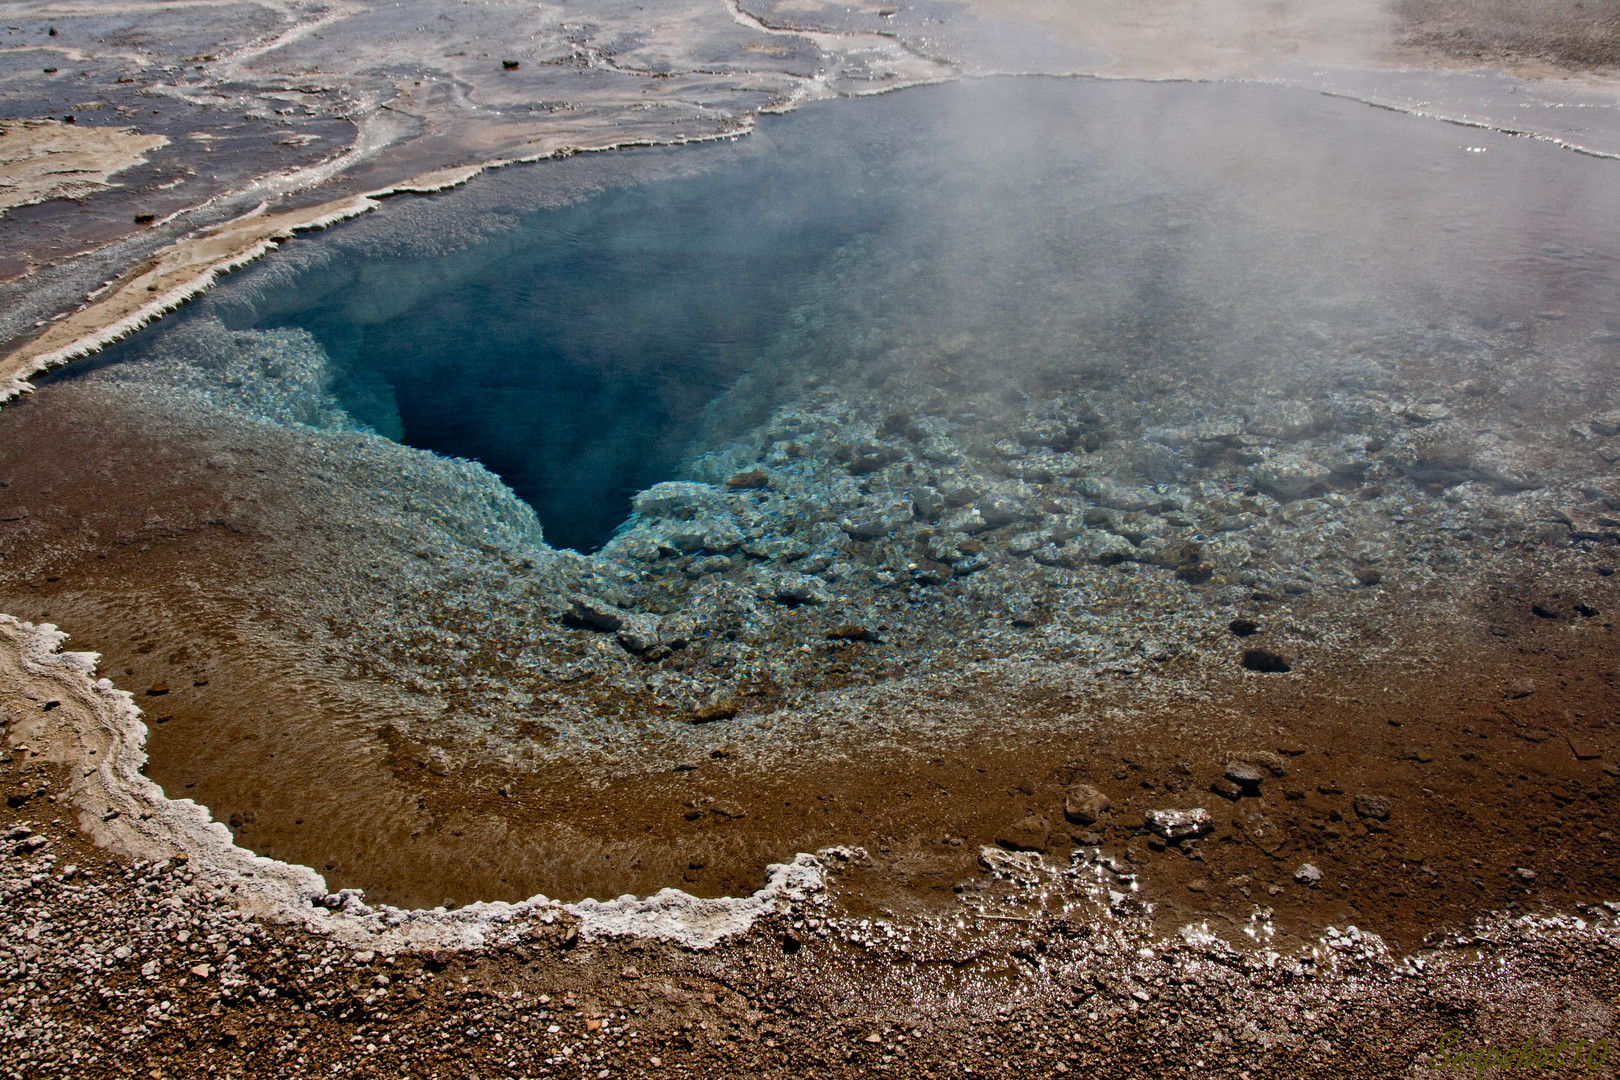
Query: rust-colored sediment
pixel 1492 741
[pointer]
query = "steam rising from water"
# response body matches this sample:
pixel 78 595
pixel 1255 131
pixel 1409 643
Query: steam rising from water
pixel 1057 224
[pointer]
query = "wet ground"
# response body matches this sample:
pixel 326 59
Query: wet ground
pixel 180 985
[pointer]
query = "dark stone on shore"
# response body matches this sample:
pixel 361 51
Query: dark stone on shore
pixel 1175 825
pixel 1243 627
pixel 1246 773
pixel 509 65
pixel 1583 748
pixel 1272 763
pixel 1226 789
pixel 1264 660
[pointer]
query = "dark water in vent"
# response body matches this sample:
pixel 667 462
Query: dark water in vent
pixel 573 358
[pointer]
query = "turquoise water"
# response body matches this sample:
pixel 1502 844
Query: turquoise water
pixel 575 358
pixel 1056 225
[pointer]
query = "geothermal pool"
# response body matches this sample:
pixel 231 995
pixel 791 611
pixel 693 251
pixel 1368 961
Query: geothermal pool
pixel 690 487
pixel 579 351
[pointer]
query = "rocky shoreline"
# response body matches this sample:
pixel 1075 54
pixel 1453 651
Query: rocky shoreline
pixel 117 966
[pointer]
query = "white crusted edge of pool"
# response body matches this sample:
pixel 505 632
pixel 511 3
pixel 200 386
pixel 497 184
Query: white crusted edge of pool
pixel 97 732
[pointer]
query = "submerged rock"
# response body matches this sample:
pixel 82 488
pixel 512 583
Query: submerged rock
pixel 1176 825
pixel 1291 476
pixel 1084 804
pixel 1606 424
pixel 1030 833
pixel 676 497
pixel 640 633
pixel 594 614
pixel 871 523
pixel 751 480
pixel 800 589
pixel 723 707
pixel 1117 496
pixel 1264 660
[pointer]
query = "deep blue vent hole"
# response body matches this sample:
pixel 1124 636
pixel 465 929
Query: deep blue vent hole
pixel 574 357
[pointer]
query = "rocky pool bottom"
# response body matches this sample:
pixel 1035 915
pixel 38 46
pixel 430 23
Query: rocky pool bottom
pixel 1439 748
pixel 359 658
